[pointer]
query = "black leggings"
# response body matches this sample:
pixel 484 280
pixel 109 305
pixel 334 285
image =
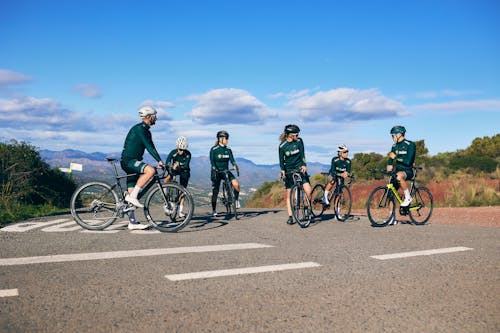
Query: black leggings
pixel 215 190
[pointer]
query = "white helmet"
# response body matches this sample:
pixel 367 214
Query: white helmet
pixel 181 143
pixel 147 110
pixel 342 148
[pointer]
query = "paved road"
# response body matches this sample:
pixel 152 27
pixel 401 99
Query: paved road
pixel 265 276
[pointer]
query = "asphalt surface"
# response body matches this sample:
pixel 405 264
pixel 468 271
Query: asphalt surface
pixel 341 287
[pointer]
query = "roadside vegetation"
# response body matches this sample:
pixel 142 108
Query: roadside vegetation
pixel 29 187
pixel 465 178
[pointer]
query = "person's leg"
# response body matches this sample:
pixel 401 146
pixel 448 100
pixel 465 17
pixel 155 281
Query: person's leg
pixel 215 194
pixel 328 188
pixel 401 176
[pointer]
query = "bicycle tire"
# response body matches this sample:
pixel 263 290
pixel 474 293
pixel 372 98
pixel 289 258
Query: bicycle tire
pixel 422 205
pixel 230 200
pixel 162 205
pixel 300 210
pixel 317 206
pixel 380 207
pixel 94 205
pixel 343 203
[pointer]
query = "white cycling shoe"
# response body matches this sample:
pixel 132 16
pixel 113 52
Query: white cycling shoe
pixel 133 201
pixel 406 202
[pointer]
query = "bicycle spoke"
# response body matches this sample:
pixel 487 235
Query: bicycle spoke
pixel 317 200
pixel 343 204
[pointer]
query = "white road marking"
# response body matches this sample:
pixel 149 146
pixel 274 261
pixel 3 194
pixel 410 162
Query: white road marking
pixel 27 226
pixel 127 254
pixel 9 292
pixel 239 271
pixel 421 253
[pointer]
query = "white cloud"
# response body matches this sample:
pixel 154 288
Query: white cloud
pixel 346 104
pixel 88 90
pixel 8 77
pixel 229 106
pixel 461 106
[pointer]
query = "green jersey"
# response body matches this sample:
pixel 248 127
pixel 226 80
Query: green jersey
pixel 139 139
pixel 339 166
pixel 405 154
pixel 220 156
pixel 182 159
pixel 291 155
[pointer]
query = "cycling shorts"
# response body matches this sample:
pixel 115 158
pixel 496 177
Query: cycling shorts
pixel 289 179
pixel 408 171
pixel 133 168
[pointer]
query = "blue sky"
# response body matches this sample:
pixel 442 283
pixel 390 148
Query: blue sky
pixel 74 73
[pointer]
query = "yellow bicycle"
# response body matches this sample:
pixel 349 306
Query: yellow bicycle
pixel 381 204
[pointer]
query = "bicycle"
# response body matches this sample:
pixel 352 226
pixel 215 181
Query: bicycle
pixel 228 197
pixel 381 204
pixel 96 205
pixel 340 198
pixel 299 201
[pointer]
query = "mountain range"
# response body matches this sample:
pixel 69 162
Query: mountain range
pixel 95 167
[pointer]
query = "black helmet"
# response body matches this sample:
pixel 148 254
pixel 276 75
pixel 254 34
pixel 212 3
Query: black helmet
pixel 398 129
pixel 222 134
pixel 292 129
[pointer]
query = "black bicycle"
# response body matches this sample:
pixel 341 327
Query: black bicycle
pixel 228 198
pixel 340 198
pixel 299 201
pixel 96 205
pixel 381 204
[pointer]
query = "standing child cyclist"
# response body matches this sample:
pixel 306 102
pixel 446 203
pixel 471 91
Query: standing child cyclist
pixel 292 158
pixel 339 170
pixel 403 155
pixel 220 156
pixel 178 160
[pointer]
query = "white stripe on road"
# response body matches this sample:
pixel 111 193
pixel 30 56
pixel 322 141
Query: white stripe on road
pixel 128 254
pixel 239 271
pixel 8 292
pixel 421 253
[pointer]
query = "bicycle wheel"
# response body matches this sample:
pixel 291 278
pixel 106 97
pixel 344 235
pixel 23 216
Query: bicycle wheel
pixel 94 205
pixel 421 207
pixel 380 207
pixel 343 203
pixel 169 208
pixel 230 200
pixel 317 207
pixel 299 203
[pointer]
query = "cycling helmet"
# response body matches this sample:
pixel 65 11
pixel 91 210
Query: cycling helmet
pixel 147 110
pixel 181 143
pixel 342 149
pixel 291 128
pixel 398 129
pixel 222 134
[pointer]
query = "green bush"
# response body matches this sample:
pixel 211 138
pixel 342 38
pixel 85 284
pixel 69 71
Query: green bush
pixel 28 186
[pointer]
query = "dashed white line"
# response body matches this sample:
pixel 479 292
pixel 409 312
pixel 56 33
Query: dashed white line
pixel 421 253
pixel 128 254
pixel 9 292
pixel 239 271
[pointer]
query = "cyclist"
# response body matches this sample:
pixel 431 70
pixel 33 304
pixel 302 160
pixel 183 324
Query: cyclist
pixel 403 155
pixel 139 139
pixel 178 159
pixel 292 157
pixel 340 168
pixel 220 156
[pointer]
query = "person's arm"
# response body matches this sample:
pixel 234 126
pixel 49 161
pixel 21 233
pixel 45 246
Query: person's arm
pixel 282 160
pixel 212 159
pixel 147 140
pixel 231 158
pixel 170 156
pixel 188 159
pixel 302 153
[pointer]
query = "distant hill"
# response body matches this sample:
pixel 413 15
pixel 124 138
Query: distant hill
pixel 95 167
